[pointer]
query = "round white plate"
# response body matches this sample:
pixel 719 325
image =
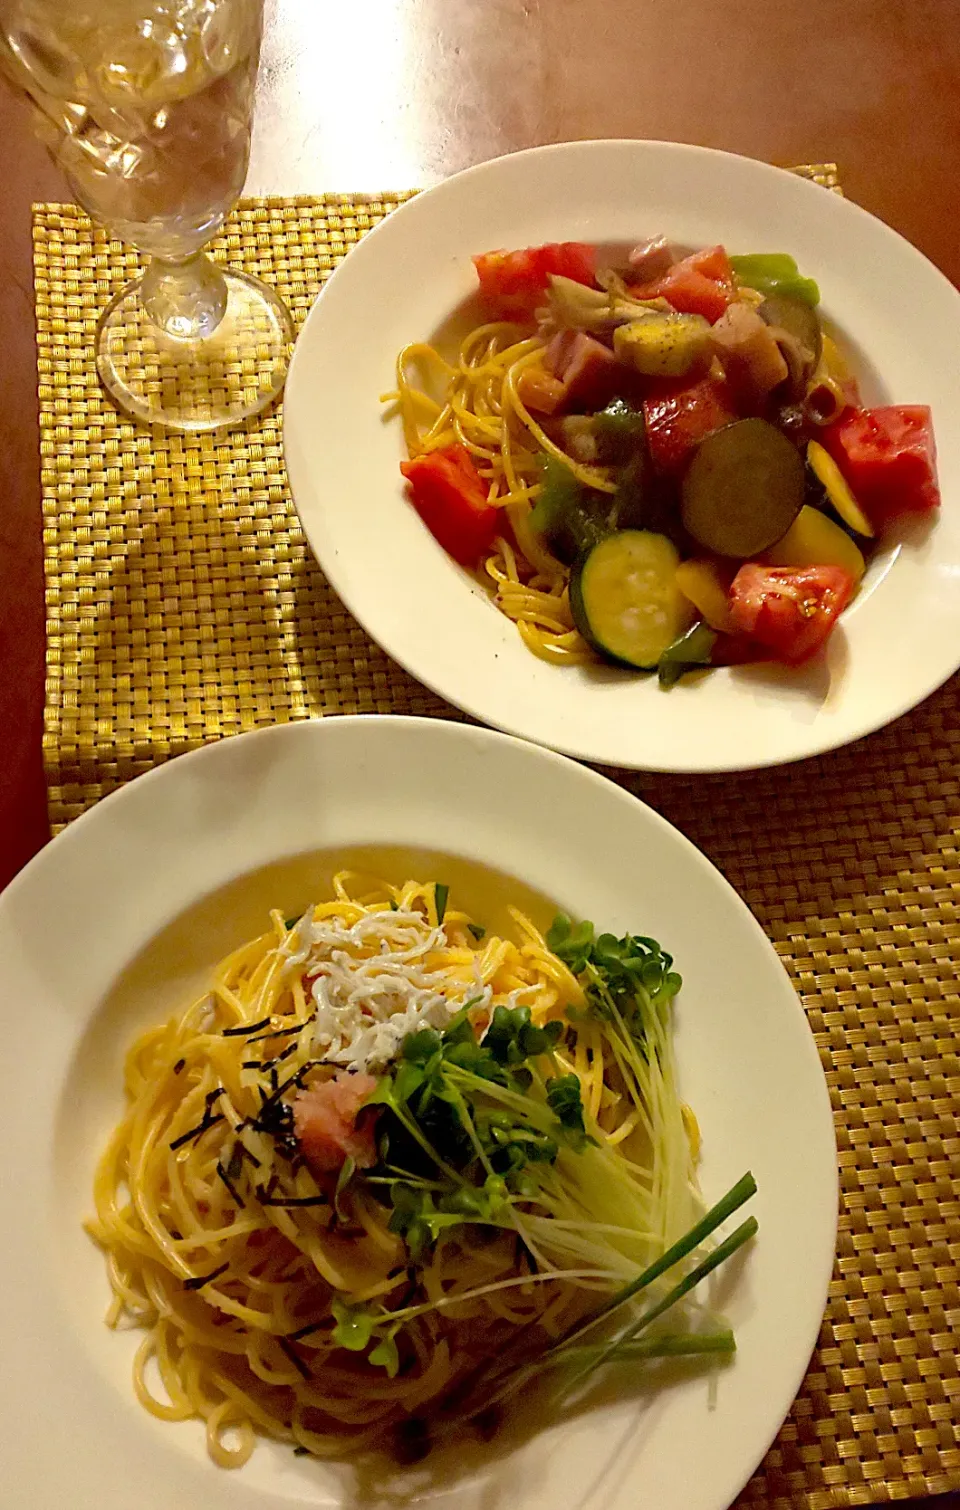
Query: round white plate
pixel 112 927
pixel 897 317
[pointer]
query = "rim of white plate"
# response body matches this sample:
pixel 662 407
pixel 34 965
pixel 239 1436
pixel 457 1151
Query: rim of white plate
pixel 151 853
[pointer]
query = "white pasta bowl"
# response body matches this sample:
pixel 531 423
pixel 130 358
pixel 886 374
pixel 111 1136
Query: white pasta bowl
pixel 117 924
pixel 897 318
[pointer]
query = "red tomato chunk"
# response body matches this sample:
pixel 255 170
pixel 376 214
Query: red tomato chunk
pixel 449 496
pixel 699 285
pixel 889 458
pixel 679 416
pixel 789 609
pixel 517 279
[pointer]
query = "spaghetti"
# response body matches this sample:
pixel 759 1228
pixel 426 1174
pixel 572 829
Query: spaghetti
pixel 329 1307
pixel 481 408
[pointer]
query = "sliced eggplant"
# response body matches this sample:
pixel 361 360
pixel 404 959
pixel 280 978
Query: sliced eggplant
pixel 742 490
pixel 625 599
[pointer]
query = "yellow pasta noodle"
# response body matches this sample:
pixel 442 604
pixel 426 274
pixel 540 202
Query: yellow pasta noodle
pixel 277 1294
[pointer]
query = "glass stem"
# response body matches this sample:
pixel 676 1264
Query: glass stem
pixel 186 299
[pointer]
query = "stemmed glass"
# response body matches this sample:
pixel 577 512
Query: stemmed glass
pixel 147 107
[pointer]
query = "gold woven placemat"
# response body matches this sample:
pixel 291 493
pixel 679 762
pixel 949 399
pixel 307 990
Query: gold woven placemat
pixel 183 606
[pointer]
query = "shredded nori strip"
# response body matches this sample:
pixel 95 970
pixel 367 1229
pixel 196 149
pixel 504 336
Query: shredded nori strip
pixel 302 1452
pixel 411 1441
pixel 204 1279
pixel 225 1177
pixel 179 1066
pixel 195 1132
pixel 267 1064
pixel 304 1331
pixel 293 1200
pixel 521 1252
pixel 488 1422
pixel 282 1032
pixel 271 1101
pixel 294 1357
pixel 242 1032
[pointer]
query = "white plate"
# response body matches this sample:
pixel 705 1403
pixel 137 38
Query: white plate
pixel 896 315
pixel 112 927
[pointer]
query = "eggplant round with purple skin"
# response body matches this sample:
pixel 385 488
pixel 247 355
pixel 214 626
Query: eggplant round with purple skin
pixel 742 490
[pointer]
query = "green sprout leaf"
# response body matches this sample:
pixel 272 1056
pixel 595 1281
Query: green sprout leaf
pixel 354 1326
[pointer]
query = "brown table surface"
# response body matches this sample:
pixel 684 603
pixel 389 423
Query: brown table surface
pixel 405 92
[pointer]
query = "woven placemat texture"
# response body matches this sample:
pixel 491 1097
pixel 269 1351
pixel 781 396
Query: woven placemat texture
pixel 184 606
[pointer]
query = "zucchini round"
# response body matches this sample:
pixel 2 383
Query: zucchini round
pixel 742 490
pixel 625 600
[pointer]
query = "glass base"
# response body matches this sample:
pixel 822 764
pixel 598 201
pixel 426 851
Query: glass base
pixel 196 384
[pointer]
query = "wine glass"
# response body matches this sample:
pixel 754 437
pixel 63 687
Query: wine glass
pixel 147 106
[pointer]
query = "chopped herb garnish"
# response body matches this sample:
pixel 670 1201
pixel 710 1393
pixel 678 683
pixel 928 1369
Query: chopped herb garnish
pixel 254 1027
pixel 440 895
pixel 478 930
pixel 178 1067
pixel 294 1357
pixel 205 1279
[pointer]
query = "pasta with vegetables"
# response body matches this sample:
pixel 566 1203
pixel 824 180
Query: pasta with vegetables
pixel 664 463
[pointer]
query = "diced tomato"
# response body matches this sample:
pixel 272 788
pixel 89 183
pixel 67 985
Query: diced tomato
pixel 889 458
pixel 679 415
pixel 699 285
pixel 449 496
pixel 790 609
pixel 327 1121
pixel 516 280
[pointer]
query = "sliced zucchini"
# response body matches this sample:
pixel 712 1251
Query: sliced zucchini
pixel 835 486
pixel 625 599
pixel 742 490
pixel 664 345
